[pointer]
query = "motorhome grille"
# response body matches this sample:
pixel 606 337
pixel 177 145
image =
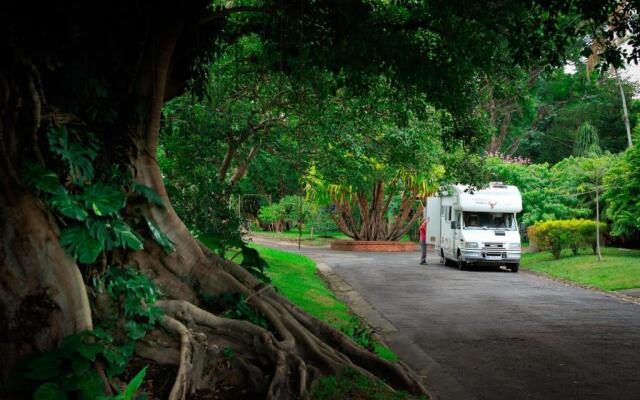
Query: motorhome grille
pixel 494 246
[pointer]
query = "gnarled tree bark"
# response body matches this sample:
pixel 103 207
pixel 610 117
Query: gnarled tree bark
pixel 42 292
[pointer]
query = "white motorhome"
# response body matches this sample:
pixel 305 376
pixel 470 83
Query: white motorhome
pixel 476 227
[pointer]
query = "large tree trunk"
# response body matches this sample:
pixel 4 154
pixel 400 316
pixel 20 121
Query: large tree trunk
pixel 43 296
pixel 373 223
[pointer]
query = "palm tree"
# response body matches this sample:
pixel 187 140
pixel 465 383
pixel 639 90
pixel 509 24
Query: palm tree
pixel 587 141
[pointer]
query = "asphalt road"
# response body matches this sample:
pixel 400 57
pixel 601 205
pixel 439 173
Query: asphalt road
pixel 498 335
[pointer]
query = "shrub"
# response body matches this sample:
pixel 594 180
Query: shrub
pixel 296 210
pixel 285 214
pixel 272 217
pixel 571 234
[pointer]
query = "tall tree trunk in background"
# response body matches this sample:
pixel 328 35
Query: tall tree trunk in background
pixel 496 141
pixel 243 166
pixel 624 108
pixel 598 225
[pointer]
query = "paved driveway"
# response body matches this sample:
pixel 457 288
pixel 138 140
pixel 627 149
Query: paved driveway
pixel 498 335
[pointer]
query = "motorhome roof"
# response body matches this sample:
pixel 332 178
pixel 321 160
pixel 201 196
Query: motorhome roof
pixel 497 197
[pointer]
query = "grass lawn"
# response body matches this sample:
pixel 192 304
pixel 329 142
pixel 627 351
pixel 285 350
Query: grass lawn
pixel 295 276
pixel 318 239
pixel 350 385
pixel 620 269
pixel 297 279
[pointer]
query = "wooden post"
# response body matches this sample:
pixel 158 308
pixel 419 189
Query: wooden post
pixel 598 226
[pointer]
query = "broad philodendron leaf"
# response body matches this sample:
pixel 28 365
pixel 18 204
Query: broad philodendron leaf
pixel 68 206
pixel 43 180
pixel 148 193
pixel 78 242
pixel 90 350
pixel 124 236
pixel 79 365
pixel 103 199
pixel 45 367
pixel 159 236
pixel 90 386
pixel 49 391
pixel 99 230
pixel 78 156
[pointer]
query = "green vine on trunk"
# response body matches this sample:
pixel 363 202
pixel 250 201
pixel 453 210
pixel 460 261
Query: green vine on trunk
pixel 89 206
pixel 90 209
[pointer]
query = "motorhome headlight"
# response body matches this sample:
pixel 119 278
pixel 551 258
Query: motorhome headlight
pixel 471 245
pixel 514 246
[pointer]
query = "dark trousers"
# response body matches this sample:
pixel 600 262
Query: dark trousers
pixel 423 247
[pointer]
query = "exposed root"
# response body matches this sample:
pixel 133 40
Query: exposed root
pixel 162 356
pixel 182 382
pixel 398 373
pixel 106 385
pixel 298 351
pixel 304 342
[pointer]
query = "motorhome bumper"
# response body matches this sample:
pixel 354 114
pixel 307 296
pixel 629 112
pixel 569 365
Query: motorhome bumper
pixel 497 257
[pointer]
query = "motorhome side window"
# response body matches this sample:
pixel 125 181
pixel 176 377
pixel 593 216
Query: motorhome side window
pixel 446 211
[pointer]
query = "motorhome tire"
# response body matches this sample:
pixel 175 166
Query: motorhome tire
pixel 444 260
pixel 514 267
pixel 461 264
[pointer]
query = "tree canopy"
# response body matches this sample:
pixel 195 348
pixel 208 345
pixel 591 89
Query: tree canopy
pixel 93 250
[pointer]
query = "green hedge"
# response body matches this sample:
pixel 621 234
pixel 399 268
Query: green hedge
pixel 571 234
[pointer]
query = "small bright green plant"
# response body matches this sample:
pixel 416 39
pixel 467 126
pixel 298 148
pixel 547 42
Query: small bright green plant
pixel 129 393
pixel 135 295
pixel 360 332
pixel 68 371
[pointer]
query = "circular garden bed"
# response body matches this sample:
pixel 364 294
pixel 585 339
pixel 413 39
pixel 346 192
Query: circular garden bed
pixel 373 245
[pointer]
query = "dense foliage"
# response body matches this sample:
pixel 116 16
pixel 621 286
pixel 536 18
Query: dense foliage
pixel 540 114
pixel 623 193
pixel 543 197
pixel 577 187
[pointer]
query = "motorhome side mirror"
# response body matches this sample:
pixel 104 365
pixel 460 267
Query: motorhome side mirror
pixel 454 224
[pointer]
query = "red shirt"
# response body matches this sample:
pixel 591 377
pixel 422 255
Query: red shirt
pixel 423 231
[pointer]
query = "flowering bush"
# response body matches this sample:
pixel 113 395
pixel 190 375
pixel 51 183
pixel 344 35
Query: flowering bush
pixel 509 159
pixel 562 234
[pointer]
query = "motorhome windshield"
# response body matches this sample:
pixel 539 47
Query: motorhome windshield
pixel 489 220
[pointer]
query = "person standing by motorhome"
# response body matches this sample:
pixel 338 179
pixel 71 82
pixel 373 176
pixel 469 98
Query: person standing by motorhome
pixel 423 242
